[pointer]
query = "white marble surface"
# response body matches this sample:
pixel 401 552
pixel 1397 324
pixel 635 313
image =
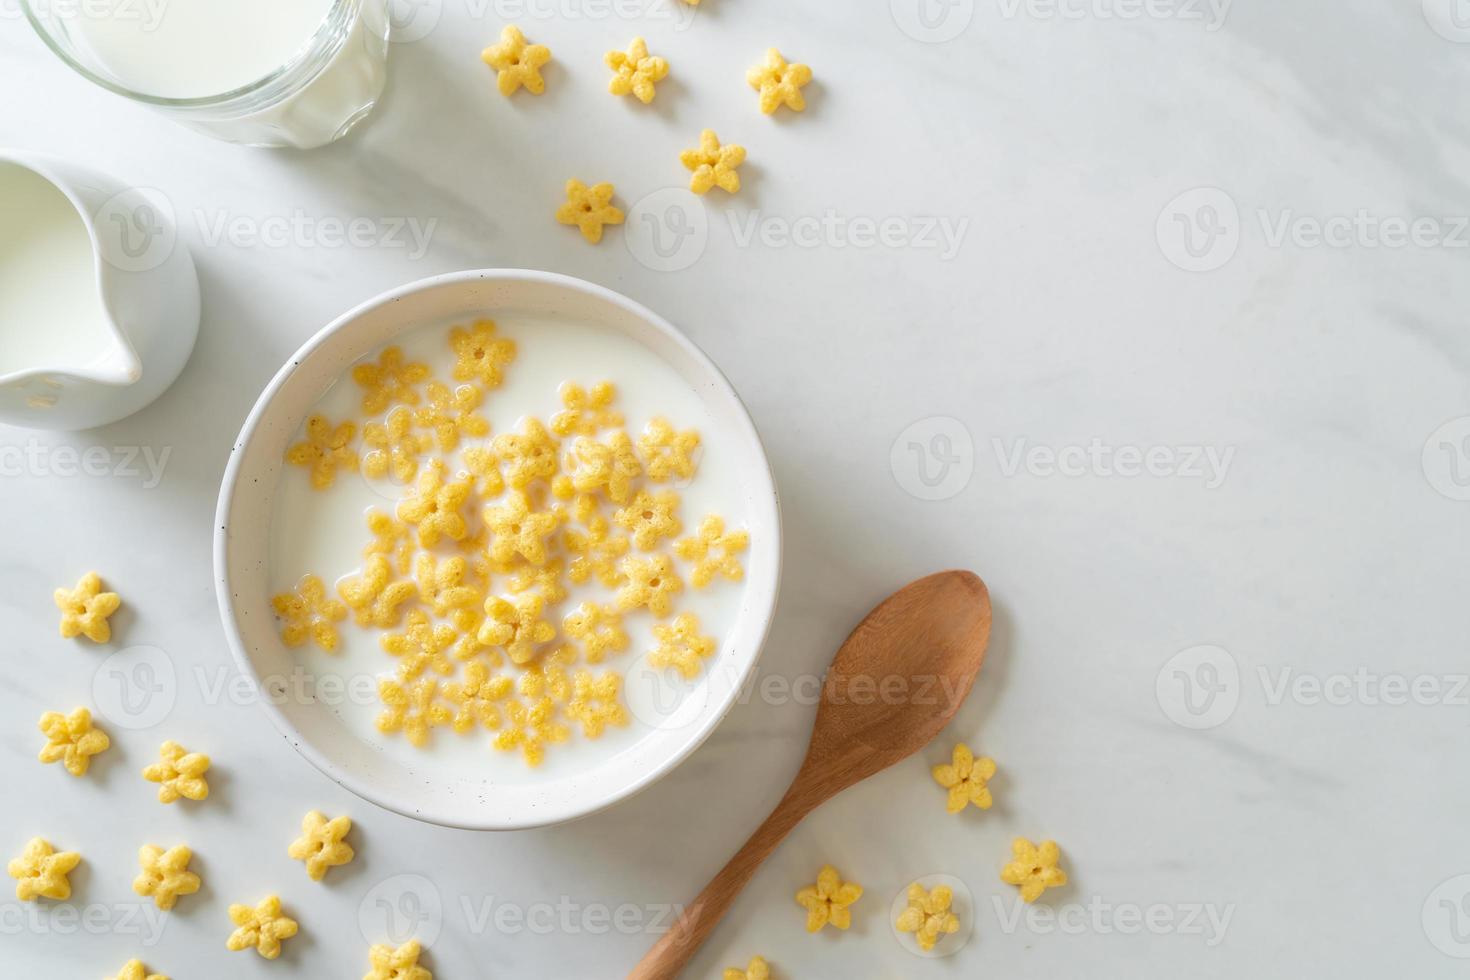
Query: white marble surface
pixel 1331 550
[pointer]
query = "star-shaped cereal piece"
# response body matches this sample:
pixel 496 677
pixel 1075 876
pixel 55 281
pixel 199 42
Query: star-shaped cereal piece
pixel 134 970
pixel 388 381
pixel 609 466
pixel 325 450
pixel 600 628
pixel 595 702
pixel 545 579
pixel 179 774
pixel 442 583
pixel 421 646
pixel 434 506
pixel 71 740
pixel 528 455
pixel 779 82
pixel 411 708
pixel 586 410
pixel 308 613
pixel 531 727
pixel 41 870
pixel 595 552
pixel 374 597
pixel 548 677
pixel 517 529
pixel 451 414
pixel 391 538
pixel 758 968
pixel 84 609
pixel 478 698
pixel 517 63
pixel 829 900
pixel 321 844
pixel 394 446
pixel 515 625
pixel 1035 868
pixel 480 354
pixel 965 777
pixel 928 915
pixel 401 963
pixel 483 467
pixel 667 453
pixel 589 208
pixel 650 518
pixel 635 71
pixel 713 165
pixel 262 927
pixel 651 582
pixel 681 646
pixel 165 875
pixel 713 551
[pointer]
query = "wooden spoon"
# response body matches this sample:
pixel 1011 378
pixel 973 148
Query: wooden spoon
pixel 896 681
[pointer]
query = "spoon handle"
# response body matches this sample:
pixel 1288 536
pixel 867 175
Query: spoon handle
pixel 678 946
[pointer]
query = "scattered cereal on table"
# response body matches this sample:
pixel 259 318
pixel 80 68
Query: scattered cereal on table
pixel 515 625
pixel 373 596
pixel 586 411
pixel 322 844
pixel 262 927
pixel 635 71
pixel 325 451
pixel 134 970
pixel 71 740
pixel 389 381
pixel 829 901
pixel 651 583
pixel 713 165
pixel 713 551
pixel 681 646
pixel 41 870
pixel 667 453
pixel 599 627
pixel 394 447
pixel 516 62
pixel 1034 868
pixel 928 915
pixel 966 777
pixel 779 82
pixel 85 609
pixel 308 613
pixel 179 774
pixel 165 875
pixel 758 968
pixel 400 963
pixel 589 208
pixel 595 702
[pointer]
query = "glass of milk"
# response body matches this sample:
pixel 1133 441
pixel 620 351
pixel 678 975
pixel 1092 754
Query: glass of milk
pixel 264 72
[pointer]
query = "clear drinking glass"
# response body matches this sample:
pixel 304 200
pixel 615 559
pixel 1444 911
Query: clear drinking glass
pixel 314 96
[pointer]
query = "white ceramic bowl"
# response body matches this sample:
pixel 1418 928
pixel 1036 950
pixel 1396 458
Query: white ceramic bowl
pixel 242 553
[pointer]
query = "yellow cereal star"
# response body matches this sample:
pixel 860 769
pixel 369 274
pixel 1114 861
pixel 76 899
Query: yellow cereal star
pixel 965 777
pixel 451 414
pixel 649 518
pixel 165 875
pixel 779 83
pixel 1035 869
pixel 262 927
pixel 928 915
pixel 480 354
pixel 610 466
pixel 411 708
pixel 434 506
pixel 713 165
pixel 651 582
pixel 134 970
pixel 41 870
pixel 421 646
pixel 321 844
pixel 531 727
pixel 484 467
pixel 595 551
pixel 71 740
pixel 545 579
pixel 594 702
pixel 585 411
pixel 829 900
pixel 528 455
pixel 681 646
pixel 758 968
pixel 635 71
pixel 392 539
pixel 389 381
pixel 395 447
pixel 374 598
pixel 442 584
pixel 179 774
pixel 668 454
pixel 548 677
pixel 516 529
pixel 84 609
pixel 589 208
pixel 477 698
pixel 517 63
pixel 401 963
pixel 515 625
pixel 600 628
pixel 325 450
pixel 713 551
pixel 308 613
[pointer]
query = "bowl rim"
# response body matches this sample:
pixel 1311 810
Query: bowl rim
pixel 364 788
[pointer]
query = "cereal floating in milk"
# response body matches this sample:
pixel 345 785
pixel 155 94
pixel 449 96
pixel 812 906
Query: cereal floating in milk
pixel 667 453
pixel 325 450
pixel 586 411
pixel 713 551
pixel 681 646
pixel 394 446
pixel 650 518
pixel 85 609
pixel 308 612
pixel 651 584
pixel 391 381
